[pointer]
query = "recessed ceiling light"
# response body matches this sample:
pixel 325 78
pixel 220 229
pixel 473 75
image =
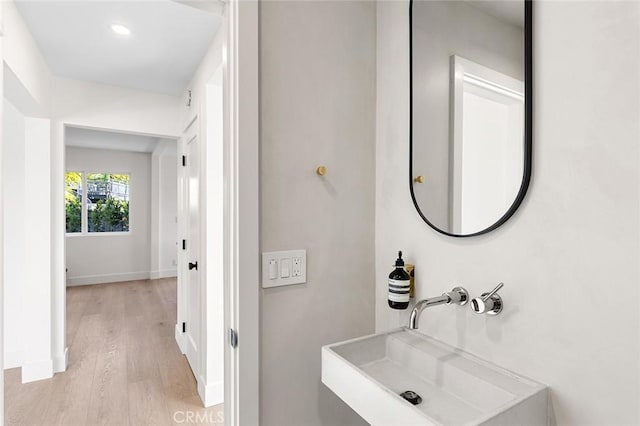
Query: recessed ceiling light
pixel 120 29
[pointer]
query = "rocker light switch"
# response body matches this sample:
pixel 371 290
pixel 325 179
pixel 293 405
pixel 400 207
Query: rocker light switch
pixel 273 269
pixel 284 268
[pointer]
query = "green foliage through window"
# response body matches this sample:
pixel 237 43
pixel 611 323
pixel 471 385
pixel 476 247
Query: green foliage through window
pixel 73 201
pixel 110 215
pixel 108 202
pixel 106 199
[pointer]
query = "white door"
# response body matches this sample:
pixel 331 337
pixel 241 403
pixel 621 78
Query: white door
pixel 193 326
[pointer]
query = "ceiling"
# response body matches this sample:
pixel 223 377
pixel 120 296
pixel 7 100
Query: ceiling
pixel 167 43
pixel 102 139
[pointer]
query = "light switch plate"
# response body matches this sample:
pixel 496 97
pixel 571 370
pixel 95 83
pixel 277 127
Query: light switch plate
pixel 295 271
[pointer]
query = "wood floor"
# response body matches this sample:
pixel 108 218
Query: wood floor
pixel 125 367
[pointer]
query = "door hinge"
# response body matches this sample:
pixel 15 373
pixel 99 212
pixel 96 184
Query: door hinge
pixel 233 338
pixel 184 327
pixel 184 161
pixel 184 244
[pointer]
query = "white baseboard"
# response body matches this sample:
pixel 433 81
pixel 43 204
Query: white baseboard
pixel 38 370
pixel 210 394
pixel 12 359
pixel 61 362
pixel 107 278
pixel 180 339
pixel 166 273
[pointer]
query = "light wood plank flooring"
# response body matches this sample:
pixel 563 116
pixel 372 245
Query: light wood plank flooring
pixel 125 367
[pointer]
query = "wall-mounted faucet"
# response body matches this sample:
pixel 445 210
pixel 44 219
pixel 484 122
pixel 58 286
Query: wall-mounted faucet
pixel 458 295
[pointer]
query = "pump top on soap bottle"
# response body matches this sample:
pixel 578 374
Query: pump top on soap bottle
pixel 399 286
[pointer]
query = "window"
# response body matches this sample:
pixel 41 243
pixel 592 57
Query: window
pixel 97 202
pixel 107 202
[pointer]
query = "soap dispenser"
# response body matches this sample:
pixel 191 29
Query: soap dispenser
pixel 399 286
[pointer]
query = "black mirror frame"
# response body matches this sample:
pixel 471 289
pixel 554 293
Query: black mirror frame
pixel 528 120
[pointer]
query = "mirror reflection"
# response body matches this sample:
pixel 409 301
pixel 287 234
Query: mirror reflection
pixel 468 112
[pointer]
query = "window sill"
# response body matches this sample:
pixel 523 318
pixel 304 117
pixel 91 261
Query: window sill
pixel 97 234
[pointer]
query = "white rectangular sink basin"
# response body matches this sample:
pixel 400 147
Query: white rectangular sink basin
pixel 369 374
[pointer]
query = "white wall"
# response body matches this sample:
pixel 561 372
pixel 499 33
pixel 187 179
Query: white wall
pixel 26 82
pixel 26 341
pixel 443 28
pixel 13 187
pixel 317 107
pixel 214 228
pixel 99 106
pixel 164 210
pixel 36 308
pixel 107 258
pixel 168 208
pixel 21 55
pixel 569 256
pixel 26 243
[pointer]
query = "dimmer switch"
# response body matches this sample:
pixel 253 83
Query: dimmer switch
pixel 284 268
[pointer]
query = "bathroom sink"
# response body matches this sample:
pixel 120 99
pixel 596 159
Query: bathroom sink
pixel 456 388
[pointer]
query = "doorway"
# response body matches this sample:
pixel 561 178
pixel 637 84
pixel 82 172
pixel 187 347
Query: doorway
pixel 124 363
pixel 86 105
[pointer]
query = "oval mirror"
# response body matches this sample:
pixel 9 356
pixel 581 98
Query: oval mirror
pixel 470 118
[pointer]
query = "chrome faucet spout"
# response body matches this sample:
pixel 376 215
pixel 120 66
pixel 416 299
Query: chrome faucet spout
pixel 458 295
pixel 422 305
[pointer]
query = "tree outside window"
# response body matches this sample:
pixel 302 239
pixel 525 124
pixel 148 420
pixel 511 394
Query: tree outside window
pixel 106 202
pixel 73 201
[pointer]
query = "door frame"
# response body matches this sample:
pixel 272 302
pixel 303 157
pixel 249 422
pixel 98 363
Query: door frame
pixel 241 215
pixel 242 244
pixel 1 227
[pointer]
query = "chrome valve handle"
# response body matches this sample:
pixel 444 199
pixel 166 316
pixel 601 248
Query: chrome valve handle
pixel 458 295
pixel 489 303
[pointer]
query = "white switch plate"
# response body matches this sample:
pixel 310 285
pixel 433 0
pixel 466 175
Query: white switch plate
pixel 295 271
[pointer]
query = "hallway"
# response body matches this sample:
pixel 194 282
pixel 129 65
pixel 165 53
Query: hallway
pixel 125 367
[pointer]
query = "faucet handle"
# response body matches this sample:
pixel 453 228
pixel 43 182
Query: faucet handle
pixel 489 303
pixel 458 295
pixel 492 292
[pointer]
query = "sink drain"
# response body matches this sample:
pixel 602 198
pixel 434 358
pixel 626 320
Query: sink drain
pixel 412 397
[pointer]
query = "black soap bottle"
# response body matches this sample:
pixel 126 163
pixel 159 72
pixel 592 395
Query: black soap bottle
pixel 399 286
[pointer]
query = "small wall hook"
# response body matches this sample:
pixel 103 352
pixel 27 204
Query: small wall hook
pixel 321 170
pixel 419 179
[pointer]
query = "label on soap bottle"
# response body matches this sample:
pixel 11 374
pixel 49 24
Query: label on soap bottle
pixel 399 290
